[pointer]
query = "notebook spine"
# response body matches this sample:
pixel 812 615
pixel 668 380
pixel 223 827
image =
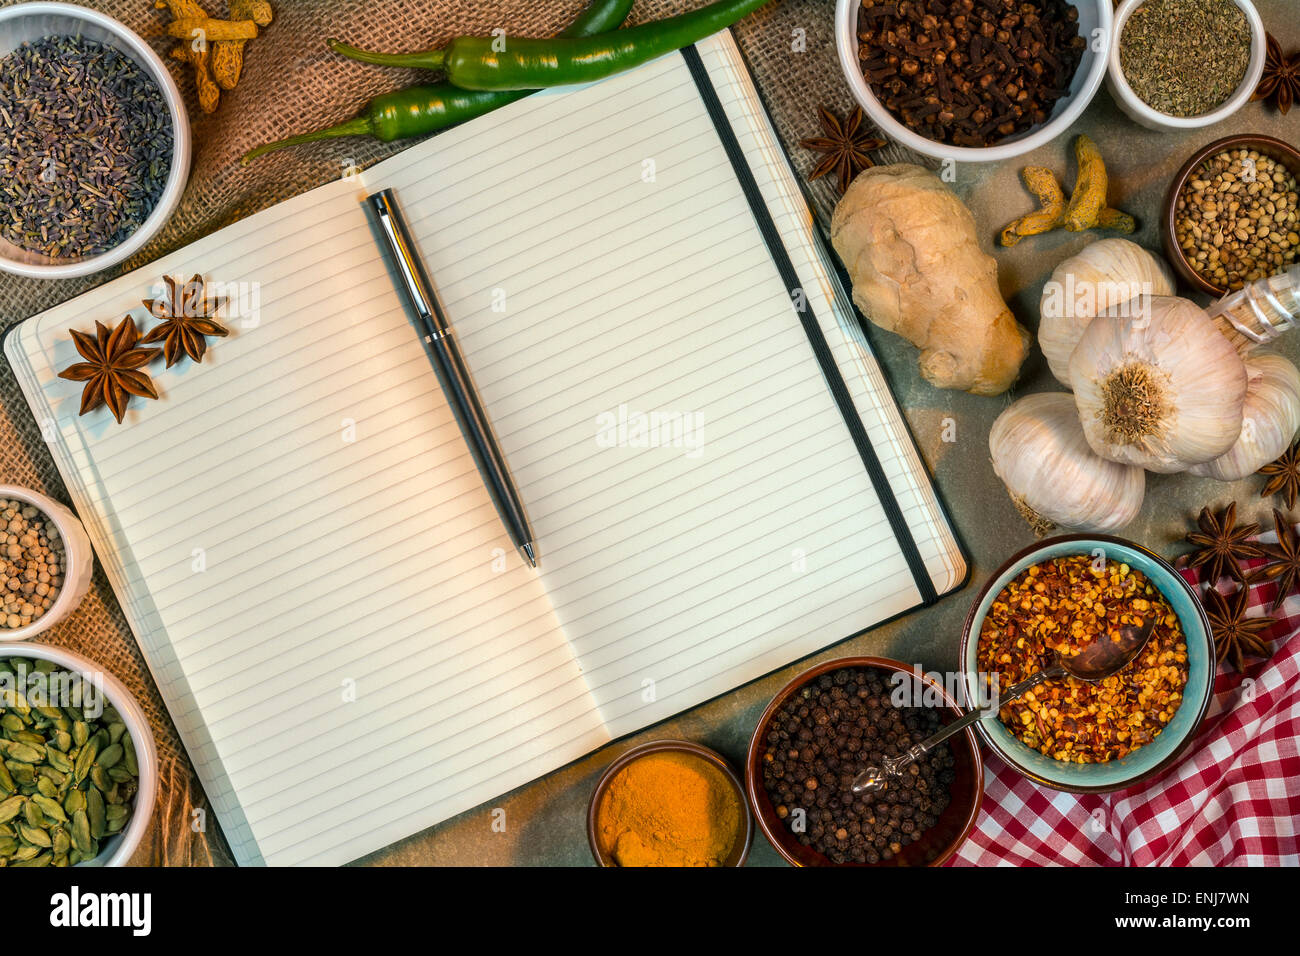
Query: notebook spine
pixel 816 338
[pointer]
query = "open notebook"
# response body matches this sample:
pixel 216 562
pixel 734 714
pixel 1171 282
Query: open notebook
pixel 349 645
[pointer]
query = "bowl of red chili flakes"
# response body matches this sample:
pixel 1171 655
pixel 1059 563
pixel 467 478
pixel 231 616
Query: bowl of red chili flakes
pixel 1055 598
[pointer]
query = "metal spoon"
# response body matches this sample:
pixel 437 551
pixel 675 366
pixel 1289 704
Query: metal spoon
pixel 1097 661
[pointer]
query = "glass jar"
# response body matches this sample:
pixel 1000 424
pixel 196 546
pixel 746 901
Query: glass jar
pixel 1262 310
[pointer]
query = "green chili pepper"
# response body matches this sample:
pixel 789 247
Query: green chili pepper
pixel 428 108
pixel 510 63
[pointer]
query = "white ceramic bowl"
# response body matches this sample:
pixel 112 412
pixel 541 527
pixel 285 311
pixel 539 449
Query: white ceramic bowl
pixel 79 565
pixel 1138 111
pixel 1094 26
pixel 115 850
pixel 33 21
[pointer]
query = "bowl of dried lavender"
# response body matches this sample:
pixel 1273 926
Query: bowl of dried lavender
pixel 973 80
pixel 94 141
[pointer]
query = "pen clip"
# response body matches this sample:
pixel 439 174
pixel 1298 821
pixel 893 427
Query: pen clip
pixel 392 225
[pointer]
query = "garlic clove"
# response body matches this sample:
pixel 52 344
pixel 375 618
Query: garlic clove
pixel 1270 418
pixel 1104 275
pixel 1053 476
pixel 1158 386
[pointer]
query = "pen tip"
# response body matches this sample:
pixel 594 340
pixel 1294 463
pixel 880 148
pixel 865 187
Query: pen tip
pixel 530 554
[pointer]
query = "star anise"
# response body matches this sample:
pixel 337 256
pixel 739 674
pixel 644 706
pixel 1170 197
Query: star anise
pixel 1283 476
pixel 1223 546
pixel 188 319
pixel 112 367
pixel 845 144
pixel 1281 77
pixel 1236 636
pixel 1284 564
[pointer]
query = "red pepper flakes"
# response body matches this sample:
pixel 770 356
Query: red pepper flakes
pixel 1059 607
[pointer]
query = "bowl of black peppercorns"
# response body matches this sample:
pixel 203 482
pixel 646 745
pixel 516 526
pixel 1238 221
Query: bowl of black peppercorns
pixel 829 724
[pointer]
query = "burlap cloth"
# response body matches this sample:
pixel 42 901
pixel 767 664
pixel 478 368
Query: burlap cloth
pixel 291 84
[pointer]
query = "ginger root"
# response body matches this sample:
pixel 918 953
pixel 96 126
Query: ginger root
pixel 1087 207
pixel 911 250
pixel 215 48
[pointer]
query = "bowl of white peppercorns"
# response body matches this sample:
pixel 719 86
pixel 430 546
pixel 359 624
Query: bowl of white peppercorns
pixel 45 563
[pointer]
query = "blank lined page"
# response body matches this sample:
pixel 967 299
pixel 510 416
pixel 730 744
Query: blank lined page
pixel 702 513
pixel 344 635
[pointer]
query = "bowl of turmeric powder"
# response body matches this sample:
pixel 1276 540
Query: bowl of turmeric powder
pixel 669 803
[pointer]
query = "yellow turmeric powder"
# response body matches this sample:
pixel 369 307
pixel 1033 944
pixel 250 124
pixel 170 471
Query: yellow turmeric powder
pixel 669 809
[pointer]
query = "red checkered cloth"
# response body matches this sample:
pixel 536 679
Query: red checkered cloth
pixel 1232 800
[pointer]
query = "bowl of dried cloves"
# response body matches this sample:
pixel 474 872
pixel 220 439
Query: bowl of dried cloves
pixel 973 80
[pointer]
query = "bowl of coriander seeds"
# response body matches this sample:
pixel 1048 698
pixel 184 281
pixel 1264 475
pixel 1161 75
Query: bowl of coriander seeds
pixel 1231 214
pixel 46 563
pixel 94 141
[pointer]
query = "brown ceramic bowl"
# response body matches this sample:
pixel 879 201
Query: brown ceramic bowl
pixel 937 843
pixel 744 836
pixel 1275 149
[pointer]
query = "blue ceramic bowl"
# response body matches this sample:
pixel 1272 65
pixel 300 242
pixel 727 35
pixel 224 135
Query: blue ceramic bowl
pixel 1147 760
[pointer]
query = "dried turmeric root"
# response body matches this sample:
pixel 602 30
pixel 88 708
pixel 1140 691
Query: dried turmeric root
pixel 259 11
pixel 207 30
pixel 228 55
pixel 228 62
pixel 209 92
pixel 215 48
pixel 1041 182
pixel 1089 196
pixel 1087 207
pixel 181 9
pixel 1115 219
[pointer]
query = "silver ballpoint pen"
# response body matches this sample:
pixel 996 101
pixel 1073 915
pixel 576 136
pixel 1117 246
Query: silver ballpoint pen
pixel 453 374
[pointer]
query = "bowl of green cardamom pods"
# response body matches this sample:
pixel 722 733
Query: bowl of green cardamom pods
pixel 79 774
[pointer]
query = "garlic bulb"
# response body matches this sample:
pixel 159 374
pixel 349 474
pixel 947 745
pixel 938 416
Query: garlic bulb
pixel 1106 274
pixel 1040 453
pixel 1162 389
pixel 1269 421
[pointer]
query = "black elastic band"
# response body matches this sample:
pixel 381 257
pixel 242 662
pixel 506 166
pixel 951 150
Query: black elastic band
pixel 830 369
